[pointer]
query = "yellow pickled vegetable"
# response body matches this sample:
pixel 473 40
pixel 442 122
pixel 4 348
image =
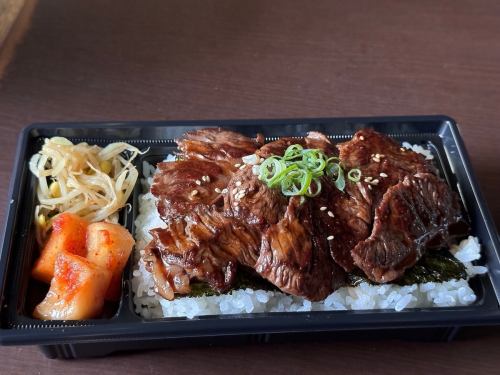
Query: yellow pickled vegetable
pixel 105 166
pixel 55 189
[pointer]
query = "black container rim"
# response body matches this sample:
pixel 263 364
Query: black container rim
pixel 240 324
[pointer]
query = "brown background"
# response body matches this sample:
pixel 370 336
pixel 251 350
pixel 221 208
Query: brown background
pixel 152 60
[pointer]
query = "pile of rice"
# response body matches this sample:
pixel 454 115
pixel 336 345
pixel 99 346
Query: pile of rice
pixel 362 297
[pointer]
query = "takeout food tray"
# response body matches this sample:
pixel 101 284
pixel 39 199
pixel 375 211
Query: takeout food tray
pixel 125 330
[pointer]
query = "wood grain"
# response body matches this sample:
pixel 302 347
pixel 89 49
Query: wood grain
pixel 476 355
pixel 9 10
pixel 150 60
pixel 14 31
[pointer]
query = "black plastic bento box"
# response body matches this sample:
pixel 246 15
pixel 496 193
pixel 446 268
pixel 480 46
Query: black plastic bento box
pixel 125 330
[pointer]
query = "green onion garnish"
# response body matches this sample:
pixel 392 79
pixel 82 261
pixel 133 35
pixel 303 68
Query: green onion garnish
pixel 299 170
pixel 340 181
pixel 354 175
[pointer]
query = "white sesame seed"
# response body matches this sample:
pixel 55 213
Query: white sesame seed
pixel 322 208
pixel 329 238
pixel 376 160
pixel 198 182
pixel 403 149
pixel 237 165
pixel 369 187
pixel 361 138
pixel 375 182
pixel 238 183
pixel 330 213
pixel 243 166
pixel 217 190
pixel 242 195
pixel 224 191
pixel 194 192
pixel 382 174
pixel 234 191
pixel 368 179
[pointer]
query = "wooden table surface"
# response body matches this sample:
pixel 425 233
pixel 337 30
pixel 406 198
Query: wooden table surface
pixel 154 60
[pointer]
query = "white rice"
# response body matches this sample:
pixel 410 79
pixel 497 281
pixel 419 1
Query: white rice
pixel 419 150
pixel 362 297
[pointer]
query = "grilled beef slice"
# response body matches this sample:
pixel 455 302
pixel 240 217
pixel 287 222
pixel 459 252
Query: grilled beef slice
pixel 317 140
pixel 382 161
pixel 383 164
pixel 249 200
pixel 216 144
pixel 345 216
pixel 382 224
pixel 279 146
pixel 204 245
pixel 184 184
pixel 413 214
pixel 295 258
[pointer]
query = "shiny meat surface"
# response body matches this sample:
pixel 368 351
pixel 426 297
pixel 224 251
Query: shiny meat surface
pixel 312 140
pixel 222 233
pixel 252 202
pixel 346 217
pixel 220 215
pixel 381 160
pixel 412 214
pixel 279 146
pixel 168 279
pixel 383 164
pixel 205 245
pixel 320 141
pixel 216 144
pixel 295 258
pixel 183 184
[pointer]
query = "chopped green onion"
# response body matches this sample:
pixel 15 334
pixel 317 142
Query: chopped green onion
pixel 296 182
pixel 310 192
pixel 354 175
pixel 279 177
pixel 299 171
pixel 314 160
pixel 270 169
pixel 340 181
pixel 293 152
pixel 333 169
pixel 333 158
